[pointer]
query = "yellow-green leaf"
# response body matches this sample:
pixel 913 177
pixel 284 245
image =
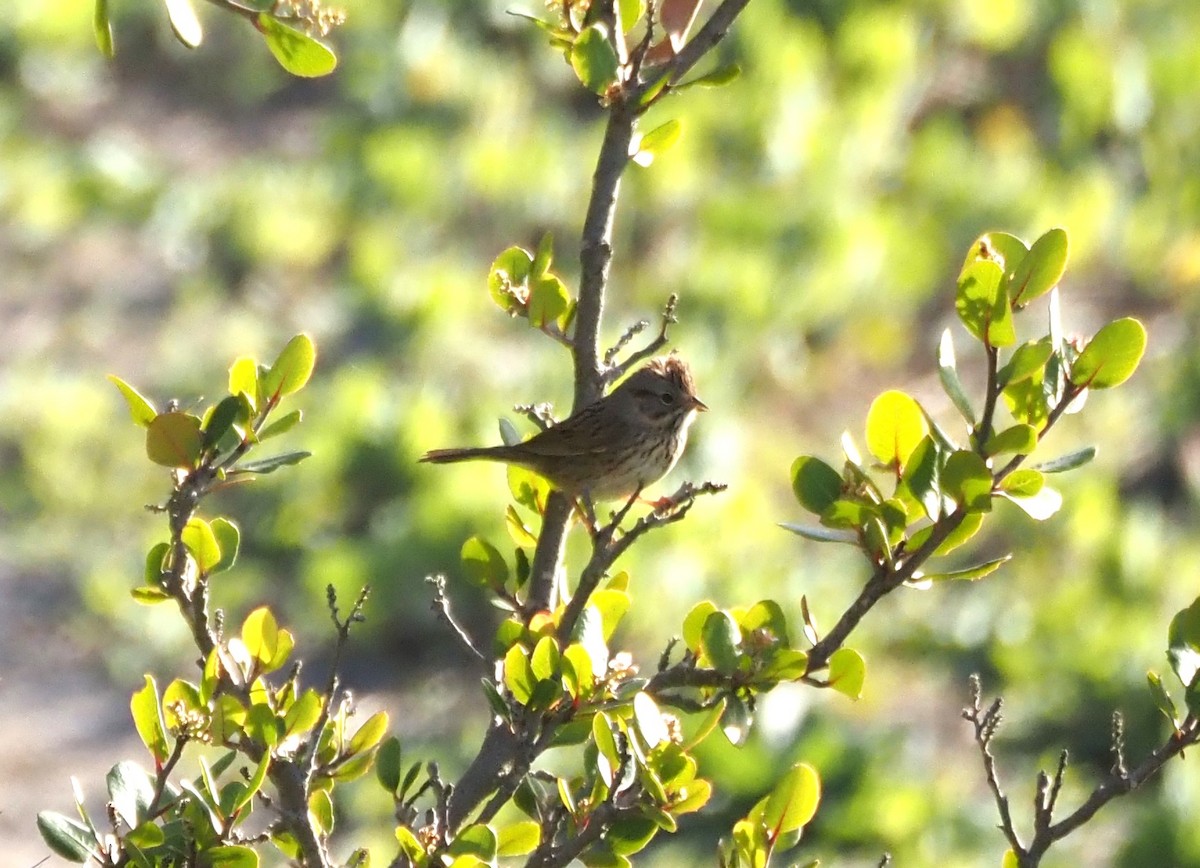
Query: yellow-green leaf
pixel 174 439
pixel 297 52
pixel 895 425
pixel 847 672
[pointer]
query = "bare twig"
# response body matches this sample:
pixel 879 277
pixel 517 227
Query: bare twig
pixel 1049 787
pixel 607 548
pixel 441 607
pixel 986 723
pixel 660 340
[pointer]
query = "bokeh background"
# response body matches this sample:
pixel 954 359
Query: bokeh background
pixel 168 211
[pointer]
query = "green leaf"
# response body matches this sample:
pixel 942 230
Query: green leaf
pixel 1040 506
pixel 612 605
pixel 966 529
pixel 608 755
pixel 387 764
pixel 548 300
pixel 593 59
pixel 140 409
pixel 589 633
pixel 243 379
pixel 631 12
pixel 815 484
pixel 155 562
pixel 200 540
pixel 284 423
pixel 184 22
pixel 148 720
pixel 948 374
pixel 1183 643
pixel 1010 860
pixel 657 142
pixel 720 640
pixel 518 839
pixel 369 734
pixel 768 616
pixel 968 574
pixel 254 784
pixel 68 838
pixel 544 661
pixel 1008 248
pixel 629 835
pixel 736 722
pixel 1020 439
pixel 1070 461
pixel 1040 269
pixel 130 792
pixel 528 488
pixel 1162 699
pixel 174 440
pixel 982 304
pixel 967 480
pixel 303 714
pixel 292 369
pixel 478 841
pixel 821 534
pixel 1111 357
pixel 270 465
pixel 922 477
pixel 145 836
pixel 230 856
pixel 895 425
pixel 1025 482
pixel 508 280
pixel 1027 360
pixel 320 811
pixel 228 539
pixel 261 635
pixel 221 420
pixel 793 801
pixel 518 674
pixel 1027 401
pixel 719 77
pixel 149 595
pixel 483 564
pixel 103 29
pixel 693 623
pixel 847 672
pixel 410 846
pixel 297 52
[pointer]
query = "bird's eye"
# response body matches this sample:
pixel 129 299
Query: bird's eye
pixel 667 398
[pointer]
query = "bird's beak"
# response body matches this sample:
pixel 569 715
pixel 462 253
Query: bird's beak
pixel 697 404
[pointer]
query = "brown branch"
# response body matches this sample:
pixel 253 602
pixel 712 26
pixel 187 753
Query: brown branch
pixel 1119 782
pixel 607 547
pixel 883 581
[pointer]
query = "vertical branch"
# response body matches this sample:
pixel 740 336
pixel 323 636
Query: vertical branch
pixel 595 256
pixel 596 250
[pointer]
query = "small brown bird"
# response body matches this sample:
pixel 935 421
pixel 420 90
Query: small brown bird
pixel 613 447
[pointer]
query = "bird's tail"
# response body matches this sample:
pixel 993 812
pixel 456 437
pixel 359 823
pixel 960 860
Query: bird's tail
pixel 471 453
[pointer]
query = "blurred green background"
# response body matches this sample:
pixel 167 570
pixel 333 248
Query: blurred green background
pixel 170 210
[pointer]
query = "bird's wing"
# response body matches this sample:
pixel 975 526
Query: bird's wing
pixel 577 435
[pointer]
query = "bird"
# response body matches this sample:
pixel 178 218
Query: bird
pixel 613 447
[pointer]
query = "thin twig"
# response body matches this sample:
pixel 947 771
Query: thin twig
pixel 667 320
pixel 986 723
pixel 441 607
pixel 606 549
